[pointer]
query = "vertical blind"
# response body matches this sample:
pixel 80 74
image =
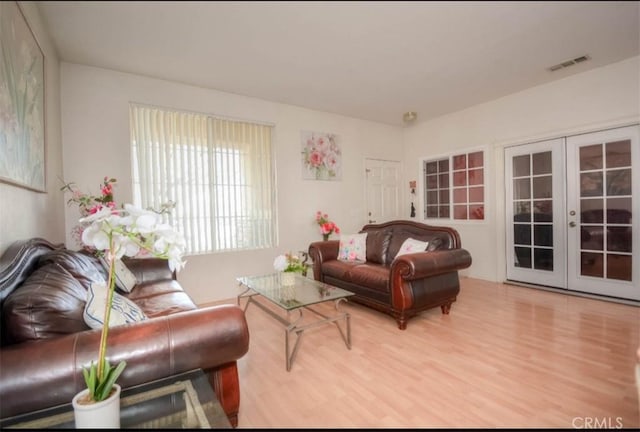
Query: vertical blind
pixel 218 172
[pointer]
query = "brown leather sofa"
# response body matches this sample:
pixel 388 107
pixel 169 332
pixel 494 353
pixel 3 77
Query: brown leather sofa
pixel 46 343
pixel 404 286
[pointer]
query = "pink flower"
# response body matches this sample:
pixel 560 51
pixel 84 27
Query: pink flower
pixel 326 226
pixel 315 159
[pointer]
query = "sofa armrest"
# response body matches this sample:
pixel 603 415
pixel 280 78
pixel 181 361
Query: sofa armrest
pixel 424 264
pixel 36 375
pixel 149 269
pixel 321 251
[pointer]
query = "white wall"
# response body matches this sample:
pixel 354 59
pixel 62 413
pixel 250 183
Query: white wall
pixel 24 213
pixel 597 99
pixel 96 143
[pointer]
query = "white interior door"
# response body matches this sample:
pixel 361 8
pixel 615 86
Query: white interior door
pixel 569 207
pixel 603 195
pixel 382 183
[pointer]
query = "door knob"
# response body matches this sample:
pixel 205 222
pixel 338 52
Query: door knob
pixel 572 224
pixel 372 221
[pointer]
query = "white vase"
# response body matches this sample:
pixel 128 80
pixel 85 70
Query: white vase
pixel 104 414
pixel 287 278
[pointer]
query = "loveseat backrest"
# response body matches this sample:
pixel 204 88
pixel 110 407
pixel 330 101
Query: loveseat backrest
pixel 19 260
pixel 439 237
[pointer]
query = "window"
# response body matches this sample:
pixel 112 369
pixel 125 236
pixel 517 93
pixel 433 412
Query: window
pixel 218 172
pixel 454 186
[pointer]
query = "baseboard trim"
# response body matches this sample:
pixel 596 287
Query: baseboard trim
pixel 574 293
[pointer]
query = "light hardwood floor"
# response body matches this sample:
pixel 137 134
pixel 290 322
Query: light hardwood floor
pixel 506 356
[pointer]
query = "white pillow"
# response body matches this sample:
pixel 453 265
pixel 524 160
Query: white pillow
pixel 123 310
pixel 125 279
pixel 411 245
pixel 353 247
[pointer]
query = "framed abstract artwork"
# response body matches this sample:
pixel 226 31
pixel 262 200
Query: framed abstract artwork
pixel 22 144
pixel 321 156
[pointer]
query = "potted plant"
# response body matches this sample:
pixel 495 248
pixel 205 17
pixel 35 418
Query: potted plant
pixel 114 233
pixel 326 226
pixel 289 264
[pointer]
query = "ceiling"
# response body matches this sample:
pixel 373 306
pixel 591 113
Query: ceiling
pixel 368 60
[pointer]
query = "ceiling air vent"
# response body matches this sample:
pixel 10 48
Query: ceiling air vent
pixel 568 63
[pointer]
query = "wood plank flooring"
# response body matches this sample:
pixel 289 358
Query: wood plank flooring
pixel 506 356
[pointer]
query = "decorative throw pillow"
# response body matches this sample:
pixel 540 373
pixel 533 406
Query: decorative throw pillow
pixel 123 310
pixel 125 280
pixel 411 245
pixel 353 247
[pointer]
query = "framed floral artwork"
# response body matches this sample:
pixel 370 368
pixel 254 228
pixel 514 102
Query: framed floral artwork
pixel 22 143
pixel 321 156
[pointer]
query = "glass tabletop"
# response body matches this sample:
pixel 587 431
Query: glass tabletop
pixel 181 401
pixel 304 292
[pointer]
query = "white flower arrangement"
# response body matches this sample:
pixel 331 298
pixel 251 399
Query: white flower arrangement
pixel 289 263
pixel 130 231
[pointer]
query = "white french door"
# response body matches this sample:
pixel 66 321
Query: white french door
pixel 535 213
pixel 569 207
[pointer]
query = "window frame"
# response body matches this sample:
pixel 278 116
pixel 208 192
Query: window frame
pixel 212 229
pixel 432 188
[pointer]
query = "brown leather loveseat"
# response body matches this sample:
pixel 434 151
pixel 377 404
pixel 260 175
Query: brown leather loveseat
pixel 46 343
pixel 400 286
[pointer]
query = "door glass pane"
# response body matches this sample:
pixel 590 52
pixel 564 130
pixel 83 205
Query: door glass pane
pixel 591 264
pixel 521 166
pixel 591 157
pixel 521 189
pixel 523 257
pixel 592 237
pixel 619 239
pixel 432 211
pixel 618 154
pixel 619 210
pixel 542 187
pixel 542 163
pixel 619 267
pixel 591 184
pixel 543 211
pixel 444 211
pixel 522 234
pixel 543 235
pixel 522 211
pixel 543 259
pixel 619 182
pixel 591 211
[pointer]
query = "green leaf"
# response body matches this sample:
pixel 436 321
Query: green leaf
pixel 110 378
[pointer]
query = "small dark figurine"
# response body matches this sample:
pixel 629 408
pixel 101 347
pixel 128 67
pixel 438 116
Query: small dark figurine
pixel 413 211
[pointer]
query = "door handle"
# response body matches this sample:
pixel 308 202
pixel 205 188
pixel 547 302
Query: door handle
pixel 372 221
pixel 572 224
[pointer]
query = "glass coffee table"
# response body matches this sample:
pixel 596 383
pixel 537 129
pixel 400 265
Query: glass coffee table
pixel 297 298
pixel 183 401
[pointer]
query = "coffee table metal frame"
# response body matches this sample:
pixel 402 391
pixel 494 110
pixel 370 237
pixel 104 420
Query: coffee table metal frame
pixel 293 325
